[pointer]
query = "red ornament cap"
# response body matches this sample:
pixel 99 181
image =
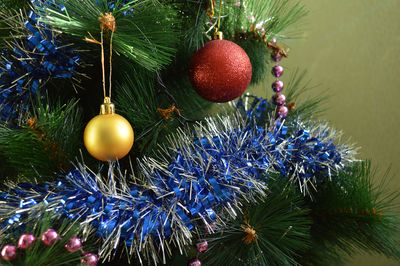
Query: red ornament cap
pixel 220 71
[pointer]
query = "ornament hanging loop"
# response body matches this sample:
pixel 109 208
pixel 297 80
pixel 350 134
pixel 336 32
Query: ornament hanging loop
pixel 218 35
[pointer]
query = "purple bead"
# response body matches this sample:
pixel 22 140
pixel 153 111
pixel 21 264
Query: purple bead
pixel 277 71
pixel 283 111
pixel 25 241
pixel 202 246
pixel 90 259
pixel 74 244
pixel 50 237
pixel 279 99
pixel 276 56
pixel 9 252
pixel 277 86
pixel 194 262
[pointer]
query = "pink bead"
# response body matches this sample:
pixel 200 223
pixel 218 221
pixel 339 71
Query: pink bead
pixel 279 99
pixel 277 71
pixel 283 111
pixel 90 259
pixel 50 237
pixel 194 262
pixel 74 244
pixel 274 41
pixel 276 56
pixel 25 241
pixel 9 252
pixel 202 246
pixel 277 86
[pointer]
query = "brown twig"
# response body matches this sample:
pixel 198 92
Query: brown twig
pixel 250 232
pixel 167 113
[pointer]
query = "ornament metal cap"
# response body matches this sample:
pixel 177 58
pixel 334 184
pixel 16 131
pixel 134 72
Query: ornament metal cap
pixel 107 107
pixel 218 35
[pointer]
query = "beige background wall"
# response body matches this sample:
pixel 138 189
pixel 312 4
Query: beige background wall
pixel 352 48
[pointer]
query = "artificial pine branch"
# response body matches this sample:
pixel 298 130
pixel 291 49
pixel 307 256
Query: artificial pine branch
pixel 139 101
pixel 271 232
pixel 155 109
pixel 351 213
pixel 308 108
pixel 11 6
pixel 144 29
pixel 47 143
pixel 192 105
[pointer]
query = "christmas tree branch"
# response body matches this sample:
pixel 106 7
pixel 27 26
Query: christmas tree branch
pixel 271 232
pixel 47 143
pixel 351 213
pixel 10 7
pixel 307 108
pixel 137 36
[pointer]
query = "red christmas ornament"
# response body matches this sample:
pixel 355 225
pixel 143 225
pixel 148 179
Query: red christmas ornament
pixel 220 71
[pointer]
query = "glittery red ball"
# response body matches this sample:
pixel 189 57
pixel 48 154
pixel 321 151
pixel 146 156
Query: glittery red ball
pixel 220 71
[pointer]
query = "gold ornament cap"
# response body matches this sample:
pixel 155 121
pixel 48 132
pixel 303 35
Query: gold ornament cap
pixel 218 35
pixel 107 107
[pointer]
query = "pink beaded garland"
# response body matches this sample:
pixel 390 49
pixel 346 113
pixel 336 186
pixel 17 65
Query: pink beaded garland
pixel 277 86
pixel 73 244
pixel 194 262
pixel 277 71
pixel 90 259
pixel 202 246
pixel 279 99
pixel 283 111
pixel 9 253
pixel 26 241
pixel 50 237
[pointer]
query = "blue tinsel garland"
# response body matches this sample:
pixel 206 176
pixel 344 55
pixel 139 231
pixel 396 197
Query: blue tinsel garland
pixel 205 179
pixel 29 63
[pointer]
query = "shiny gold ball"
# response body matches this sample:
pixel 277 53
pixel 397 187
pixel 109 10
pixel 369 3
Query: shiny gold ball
pixel 108 137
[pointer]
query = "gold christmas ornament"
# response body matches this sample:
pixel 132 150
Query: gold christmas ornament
pixel 108 136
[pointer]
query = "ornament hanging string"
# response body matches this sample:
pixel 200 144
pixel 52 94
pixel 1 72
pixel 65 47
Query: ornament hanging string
pixel 219 16
pixel 107 24
pixel 102 63
pixel 210 13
